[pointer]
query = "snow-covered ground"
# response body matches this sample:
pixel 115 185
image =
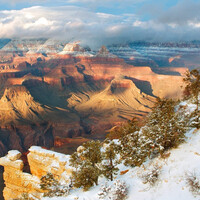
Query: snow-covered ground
pixel 172 184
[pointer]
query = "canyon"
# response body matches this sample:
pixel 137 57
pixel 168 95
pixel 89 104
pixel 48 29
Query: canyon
pixel 51 94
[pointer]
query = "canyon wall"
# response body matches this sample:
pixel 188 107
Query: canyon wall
pixel 73 94
pixel 41 161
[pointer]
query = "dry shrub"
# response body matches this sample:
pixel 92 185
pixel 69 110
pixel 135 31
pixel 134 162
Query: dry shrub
pixel 193 181
pixel 152 175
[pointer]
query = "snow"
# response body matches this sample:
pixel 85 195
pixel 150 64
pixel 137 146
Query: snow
pixel 172 181
pixel 173 172
pixel 76 50
pixel 61 157
pixel 14 155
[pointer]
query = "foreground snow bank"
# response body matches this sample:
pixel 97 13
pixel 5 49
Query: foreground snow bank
pixel 171 184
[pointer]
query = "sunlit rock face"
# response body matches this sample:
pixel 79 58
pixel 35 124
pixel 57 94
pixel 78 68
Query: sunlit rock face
pixel 41 162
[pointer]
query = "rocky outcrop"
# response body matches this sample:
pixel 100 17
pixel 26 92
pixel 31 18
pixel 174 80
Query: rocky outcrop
pixel 18 182
pixel 75 49
pixel 41 162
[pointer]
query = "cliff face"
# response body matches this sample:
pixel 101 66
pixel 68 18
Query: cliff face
pixel 41 162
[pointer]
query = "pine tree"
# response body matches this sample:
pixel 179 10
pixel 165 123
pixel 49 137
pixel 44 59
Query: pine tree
pixel 109 156
pixel 75 160
pixel 48 182
pixel 92 152
pixel 87 164
pixel 132 150
pixel 164 128
pixel 52 187
pixel 85 177
pixel 192 89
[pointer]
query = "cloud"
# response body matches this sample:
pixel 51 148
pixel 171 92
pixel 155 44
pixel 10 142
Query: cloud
pixel 66 22
pixel 94 28
pixel 182 13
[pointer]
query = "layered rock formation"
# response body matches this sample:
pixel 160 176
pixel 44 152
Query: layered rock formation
pixel 17 182
pixel 41 162
pixel 73 93
pixel 26 122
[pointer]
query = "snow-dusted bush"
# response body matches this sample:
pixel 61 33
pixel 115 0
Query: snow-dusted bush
pixel 130 145
pixel 192 90
pixel 151 177
pixel 165 128
pixel 110 161
pixel 117 191
pixel 85 177
pixel 87 162
pixel 193 181
pixel 52 187
pixel 195 119
pixel 104 192
pixel 132 151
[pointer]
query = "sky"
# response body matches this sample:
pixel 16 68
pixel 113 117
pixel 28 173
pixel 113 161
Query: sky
pixel 101 21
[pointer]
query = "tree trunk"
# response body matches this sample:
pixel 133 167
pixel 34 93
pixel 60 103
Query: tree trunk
pixel 111 164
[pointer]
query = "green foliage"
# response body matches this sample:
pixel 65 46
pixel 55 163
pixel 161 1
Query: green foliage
pixel 92 152
pixel 132 150
pixel 87 163
pixel 192 89
pixel 109 164
pixel 164 128
pixel 192 80
pixel 52 187
pixel 48 182
pixel 130 127
pixel 75 160
pixel 85 177
pixel 195 119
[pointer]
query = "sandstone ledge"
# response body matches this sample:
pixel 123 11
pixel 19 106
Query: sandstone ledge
pixel 41 161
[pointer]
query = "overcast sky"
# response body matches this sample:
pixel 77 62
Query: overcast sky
pixel 101 21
